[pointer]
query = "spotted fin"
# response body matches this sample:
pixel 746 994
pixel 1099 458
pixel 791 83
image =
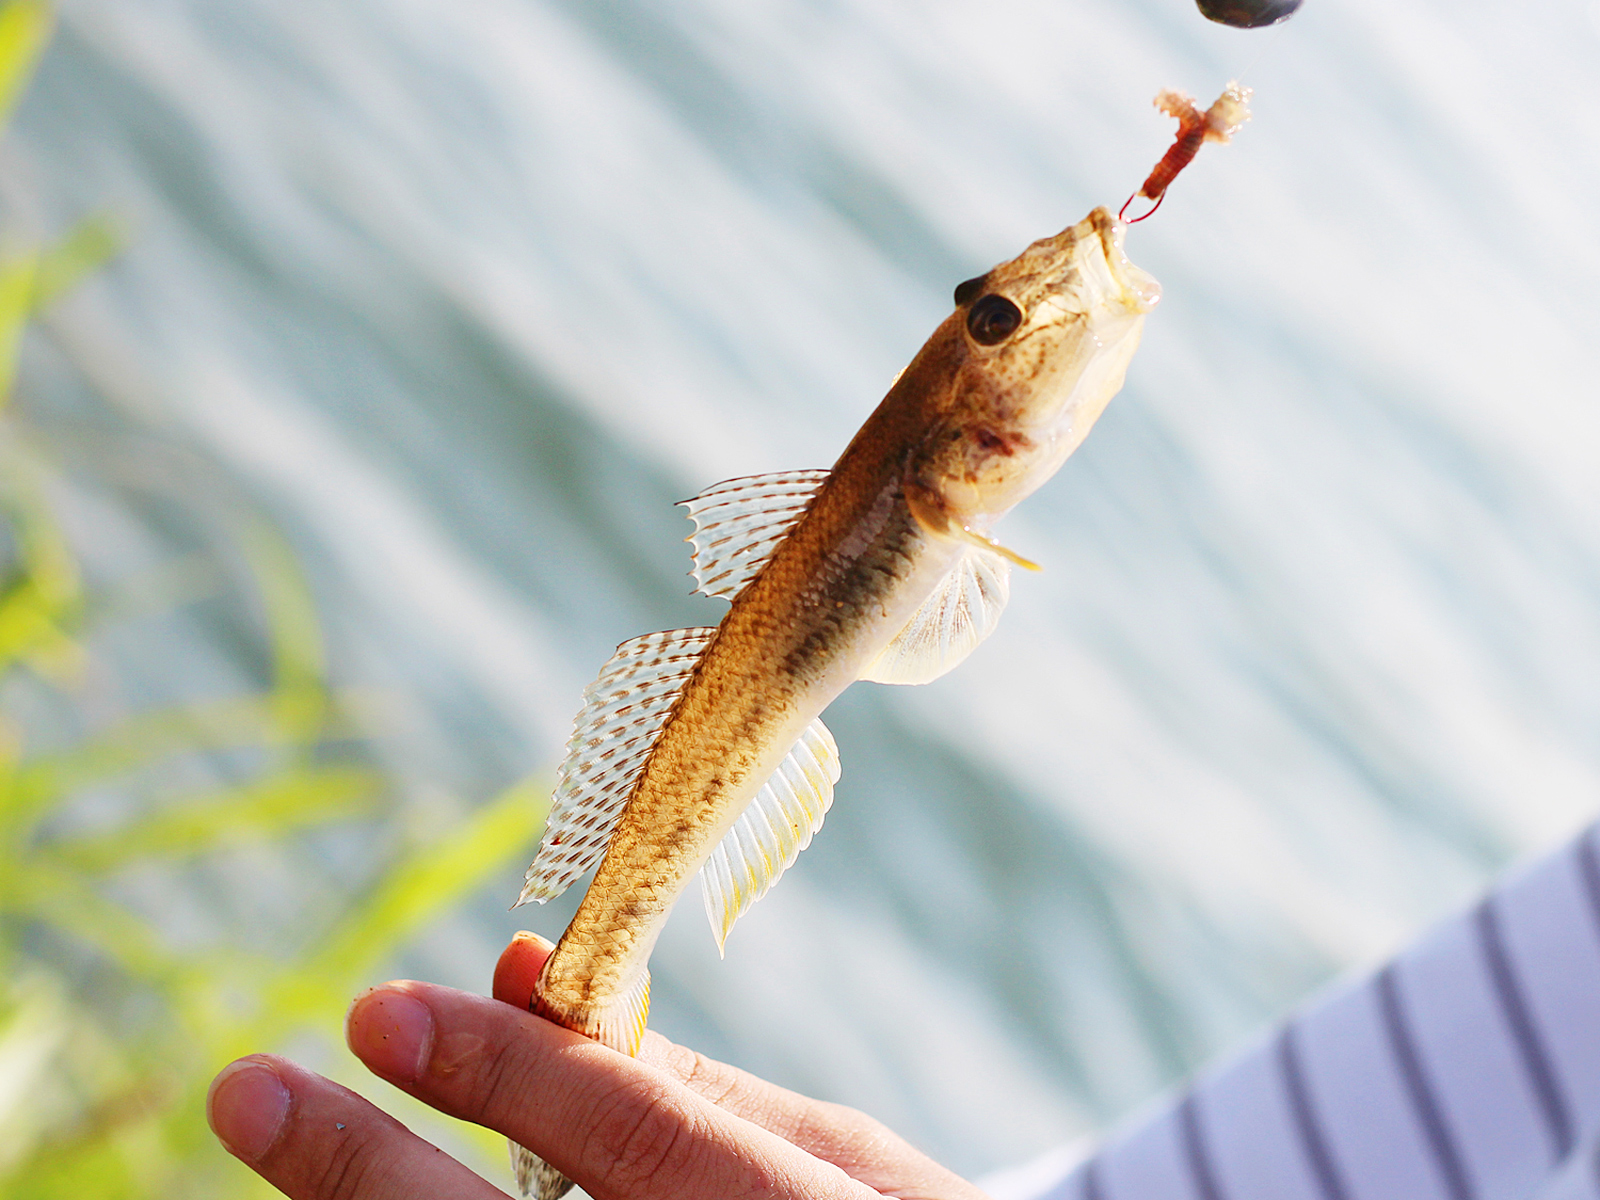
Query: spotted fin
pixel 771 832
pixel 537 1179
pixel 961 612
pixel 623 712
pixel 740 522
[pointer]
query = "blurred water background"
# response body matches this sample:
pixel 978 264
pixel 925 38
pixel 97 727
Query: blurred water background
pixel 356 457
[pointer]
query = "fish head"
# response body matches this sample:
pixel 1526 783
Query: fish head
pixel 1041 345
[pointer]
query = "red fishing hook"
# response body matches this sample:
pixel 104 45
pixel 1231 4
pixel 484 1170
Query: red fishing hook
pixel 1216 124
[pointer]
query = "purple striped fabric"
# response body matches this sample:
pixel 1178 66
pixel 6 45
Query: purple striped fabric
pixel 1466 1069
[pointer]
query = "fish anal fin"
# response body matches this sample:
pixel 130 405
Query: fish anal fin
pixel 771 832
pixel 739 523
pixel 622 715
pixel 960 613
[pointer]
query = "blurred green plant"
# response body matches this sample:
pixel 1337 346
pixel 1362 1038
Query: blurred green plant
pixel 111 1023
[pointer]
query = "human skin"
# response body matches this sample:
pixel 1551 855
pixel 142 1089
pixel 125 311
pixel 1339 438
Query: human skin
pixel 668 1125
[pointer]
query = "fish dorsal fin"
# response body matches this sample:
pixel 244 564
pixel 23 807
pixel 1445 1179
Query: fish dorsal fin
pixel 740 522
pixel 612 736
pixel 772 830
pixel 962 611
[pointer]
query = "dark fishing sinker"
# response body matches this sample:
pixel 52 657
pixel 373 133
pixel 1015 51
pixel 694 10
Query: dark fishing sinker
pixel 1248 14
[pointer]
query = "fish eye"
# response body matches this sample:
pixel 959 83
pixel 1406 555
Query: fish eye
pixel 969 288
pixel 993 319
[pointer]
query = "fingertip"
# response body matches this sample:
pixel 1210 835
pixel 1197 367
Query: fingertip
pixel 246 1106
pixel 519 967
pixel 309 1137
pixel 391 1031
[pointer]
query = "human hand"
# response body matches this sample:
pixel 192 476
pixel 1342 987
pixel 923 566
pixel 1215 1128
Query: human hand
pixel 668 1125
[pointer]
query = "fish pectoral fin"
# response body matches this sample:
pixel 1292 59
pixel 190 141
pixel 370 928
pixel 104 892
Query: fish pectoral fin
pixel 963 610
pixel 771 832
pixel 739 523
pixel 612 736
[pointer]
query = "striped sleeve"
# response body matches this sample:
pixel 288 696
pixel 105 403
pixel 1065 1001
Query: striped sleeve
pixel 1466 1069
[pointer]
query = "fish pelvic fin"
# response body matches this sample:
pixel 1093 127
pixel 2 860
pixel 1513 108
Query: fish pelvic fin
pixel 983 541
pixel 771 832
pixel 739 523
pixel 930 513
pixel 963 610
pixel 613 734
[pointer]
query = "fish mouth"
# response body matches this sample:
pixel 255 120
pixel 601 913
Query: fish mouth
pixel 1136 289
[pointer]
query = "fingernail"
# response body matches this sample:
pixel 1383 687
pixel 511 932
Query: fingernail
pixel 392 1032
pixel 246 1107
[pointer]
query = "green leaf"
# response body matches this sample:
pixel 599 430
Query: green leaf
pixel 416 891
pixel 35 890
pixel 259 811
pixel 24 30
pixel 29 625
pixel 90 245
pixel 16 303
pixel 299 664
pixel 32 282
pixel 46 561
pixel 139 741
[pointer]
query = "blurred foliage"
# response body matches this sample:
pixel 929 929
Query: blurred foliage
pixel 111 1021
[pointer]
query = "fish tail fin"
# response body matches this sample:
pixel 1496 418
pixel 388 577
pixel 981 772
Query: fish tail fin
pixel 619 1025
pixel 537 1179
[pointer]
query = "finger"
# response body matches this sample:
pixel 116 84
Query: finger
pixel 851 1140
pixel 314 1140
pixel 619 1127
pixel 862 1147
pixel 519 967
pixel 784 1112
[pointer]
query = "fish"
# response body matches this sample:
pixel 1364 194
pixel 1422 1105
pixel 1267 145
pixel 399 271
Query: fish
pixel 702 751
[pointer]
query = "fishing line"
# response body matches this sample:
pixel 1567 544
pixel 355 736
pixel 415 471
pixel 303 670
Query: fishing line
pixel 1219 121
pixel 1265 45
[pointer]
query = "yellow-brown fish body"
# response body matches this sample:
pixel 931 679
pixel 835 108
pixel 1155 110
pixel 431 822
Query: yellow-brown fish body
pixel 883 570
pixel 843 583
